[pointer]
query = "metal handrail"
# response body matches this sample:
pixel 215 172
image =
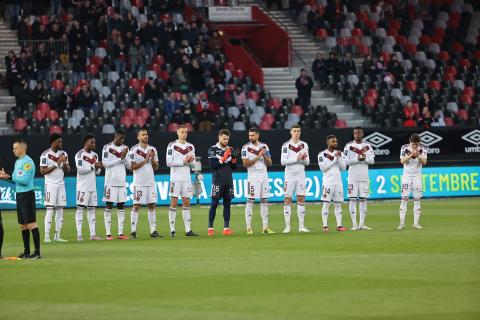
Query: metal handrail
pixel 55 47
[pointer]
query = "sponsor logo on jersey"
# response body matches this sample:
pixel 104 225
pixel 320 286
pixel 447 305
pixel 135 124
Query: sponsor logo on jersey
pixel 378 140
pixel 428 139
pixel 472 137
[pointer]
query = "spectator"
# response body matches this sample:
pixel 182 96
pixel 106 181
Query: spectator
pixel 348 65
pixel 39 94
pixel 25 66
pixel 152 90
pixel 136 57
pixel 178 80
pixel 63 100
pixel 409 110
pixel 170 105
pixel 334 13
pixel 425 101
pixel 380 66
pixel 43 61
pixel 438 119
pixel 304 85
pixel 394 67
pixel 368 66
pixel 425 120
pixel 22 93
pixel 120 55
pixel 11 62
pixel 78 60
pixel 206 111
pixel 318 70
pixel 196 71
pixel 332 66
pixel 86 99
pixel 215 42
pixel 240 97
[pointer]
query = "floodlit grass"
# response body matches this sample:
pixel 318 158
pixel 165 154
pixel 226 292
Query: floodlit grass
pixel 379 274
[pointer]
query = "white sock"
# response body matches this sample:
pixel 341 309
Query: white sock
pixel 134 220
pixel 353 211
pixel 58 221
pixel 152 220
pixel 48 221
pixel 403 210
pixel 417 210
pixel 338 213
pixel 107 217
pixel 187 218
pixel 248 213
pixel 301 214
pixel 121 220
pixel 79 220
pixel 363 211
pixel 264 212
pixel 287 211
pixel 172 216
pixel 91 220
pixel 325 207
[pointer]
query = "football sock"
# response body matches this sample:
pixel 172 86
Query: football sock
pixel 301 214
pixel 325 207
pixel 1 235
pixel 226 213
pixel 36 239
pixel 264 212
pixel 338 213
pixel 121 220
pixel 352 205
pixel 287 212
pixel 187 218
pixel 134 219
pixel 107 216
pixel 403 210
pixel 58 221
pixel 416 211
pixel 91 220
pixel 26 241
pixel 248 212
pixel 152 220
pixel 172 216
pixel 363 211
pixel 79 220
pixel 48 221
pixel 212 212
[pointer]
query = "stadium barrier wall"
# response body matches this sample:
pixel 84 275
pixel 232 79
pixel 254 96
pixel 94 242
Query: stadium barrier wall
pixel 384 184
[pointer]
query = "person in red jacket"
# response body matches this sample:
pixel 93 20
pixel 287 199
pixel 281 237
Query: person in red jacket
pixel 206 111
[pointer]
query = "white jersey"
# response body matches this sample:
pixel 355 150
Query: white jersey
pixel 358 170
pixel 331 166
pixel 257 171
pixel 144 175
pixel 290 153
pixel 413 167
pixel 115 166
pixel 176 154
pixel 49 159
pixel 84 161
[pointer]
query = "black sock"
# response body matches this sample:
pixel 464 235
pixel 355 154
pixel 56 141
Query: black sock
pixel 1 236
pixel 26 241
pixel 36 239
pixel 226 212
pixel 212 212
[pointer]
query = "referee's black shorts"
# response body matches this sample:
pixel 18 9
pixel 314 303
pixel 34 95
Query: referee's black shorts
pixel 26 209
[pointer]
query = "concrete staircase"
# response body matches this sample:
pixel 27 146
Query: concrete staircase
pixel 280 82
pixel 6 103
pixel 9 40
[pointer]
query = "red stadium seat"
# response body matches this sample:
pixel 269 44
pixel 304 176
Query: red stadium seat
pixel 477 55
pixel 134 83
pixel 372 25
pixel 297 110
pixel 435 84
pixel 364 50
pixel 469 91
pixel 130 113
pixel 401 40
pixel 457 47
pixel 343 41
pixel 275 103
pixel 357 32
pixel 452 70
pixel 411 85
pixel 411 48
pixel 253 95
pixel 463 114
pixel 465 63
pixel 58 84
pixel 340 123
pixel 164 75
pixel 465 98
pixel 159 59
pixel 98 61
pixel 38 115
pixel 55 129
pixel 438 39
pixel 444 56
pixel 144 113
pixel 386 56
pixel 409 123
pixel 449 121
pixel 321 34
pixel 355 41
pixel 372 93
pixel 265 126
pixel 20 124
pixel 44 108
pixel 44 20
pixel 82 82
pixel 268 118
pixel 126 121
pixel 369 101
pixel 140 121
pixel 172 127
pixel 92 69
pixel 52 115
pixel 189 126
pixel 425 40
pixel 229 66
pixel 239 74
pixel 449 77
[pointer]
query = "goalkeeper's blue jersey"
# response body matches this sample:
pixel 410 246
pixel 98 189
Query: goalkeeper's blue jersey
pixel 222 172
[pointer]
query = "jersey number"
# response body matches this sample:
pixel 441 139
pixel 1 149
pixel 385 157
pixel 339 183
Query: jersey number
pixel 80 196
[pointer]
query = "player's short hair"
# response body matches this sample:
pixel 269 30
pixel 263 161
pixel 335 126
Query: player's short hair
pixel 330 136
pixel 20 141
pixel 224 132
pixel 87 137
pixel 182 126
pixel 414 138
pixel 119 132
pixel 140 130
pixel 358 128
pixel 253 129
pixel 53 137
pixel 295 126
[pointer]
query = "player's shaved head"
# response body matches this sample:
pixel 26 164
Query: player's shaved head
pixel 142 136
pixel 332 142
pixel 19 148
pixel 119 137
pixel 358 134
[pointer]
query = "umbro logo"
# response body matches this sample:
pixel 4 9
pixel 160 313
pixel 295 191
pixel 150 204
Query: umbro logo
pixel 429 138
pixel 378 140
pixel 474 138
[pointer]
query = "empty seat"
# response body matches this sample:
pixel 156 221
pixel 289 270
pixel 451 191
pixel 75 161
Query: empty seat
pixel 239 126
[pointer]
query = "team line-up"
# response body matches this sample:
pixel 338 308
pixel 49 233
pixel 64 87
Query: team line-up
pixel 142 160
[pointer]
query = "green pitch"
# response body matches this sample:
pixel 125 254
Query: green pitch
pixel 377 274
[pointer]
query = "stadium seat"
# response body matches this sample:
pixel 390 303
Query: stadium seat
pixel 55 129
pixel 340 123
pixel 20 124
pixel 265 126
pixel 172 127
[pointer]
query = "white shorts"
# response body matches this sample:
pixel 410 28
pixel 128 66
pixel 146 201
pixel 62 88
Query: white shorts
pixel 114 194
pixel 358 189
pixel 332 193
pixel 294 184
pixel 181 189
pixel 258 189
pixel 87 198
pixel 55 195
pixel 144 195
pixel 412 185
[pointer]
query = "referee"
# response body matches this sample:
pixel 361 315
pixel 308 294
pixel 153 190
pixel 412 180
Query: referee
pixel 23 175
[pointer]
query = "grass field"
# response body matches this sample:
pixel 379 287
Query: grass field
pixel 379 274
